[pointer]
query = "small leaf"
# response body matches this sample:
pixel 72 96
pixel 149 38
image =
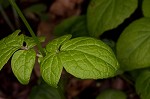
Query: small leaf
pixel 9 45
pixel 51 66
pixel 146 8
pixel 51 69
pixel 142 85
pixel 133 46
pixel 30 43
pixel 112 94
pixel 88 58
pixel 76 26
pixel 55 44
pixel 44 91
pixel 103 15
pixel 22 64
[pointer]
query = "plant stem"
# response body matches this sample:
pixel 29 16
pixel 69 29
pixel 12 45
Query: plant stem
pixel 12 2
pixel 6 18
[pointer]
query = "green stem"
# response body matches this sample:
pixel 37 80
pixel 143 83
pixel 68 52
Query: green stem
pixel 28 26
pixel 6 18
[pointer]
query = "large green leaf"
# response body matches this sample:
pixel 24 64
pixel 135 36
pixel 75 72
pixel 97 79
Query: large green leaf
pixel 143 85
pixel 75 25
pixel 103 15
pixel 9 45
pixel 112 94
pixel 146 8
pixel 22 64
pixel 83 57
pixel 133 46
pixel 88 58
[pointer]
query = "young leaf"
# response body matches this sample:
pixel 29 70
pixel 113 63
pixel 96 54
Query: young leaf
pixel 9 45
pixel 22 64
pixel 30 43
pixel 103 15
pixel 51 66
pixel 51 69
pixel 88 58
pixel 146 8
pixel 112 94
pixel 75 25
pixel 143 85
pixel 53 46
pixel 133 46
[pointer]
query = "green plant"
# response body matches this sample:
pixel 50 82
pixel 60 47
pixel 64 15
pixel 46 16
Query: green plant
pixel 86 57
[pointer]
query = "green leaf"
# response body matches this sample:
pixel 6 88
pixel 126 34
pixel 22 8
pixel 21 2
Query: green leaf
pixel 83 57
pixel 133 46
pixel 22 64
pixel 9 45
pixel 30 42
pixel 44 91
pixel 142 85
pixel 146 8
pixel 88 58
pixel 51 69
pixel 54 45
pixel 103 15
pixel 51 66
pixel 75 25
pixel 112 94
